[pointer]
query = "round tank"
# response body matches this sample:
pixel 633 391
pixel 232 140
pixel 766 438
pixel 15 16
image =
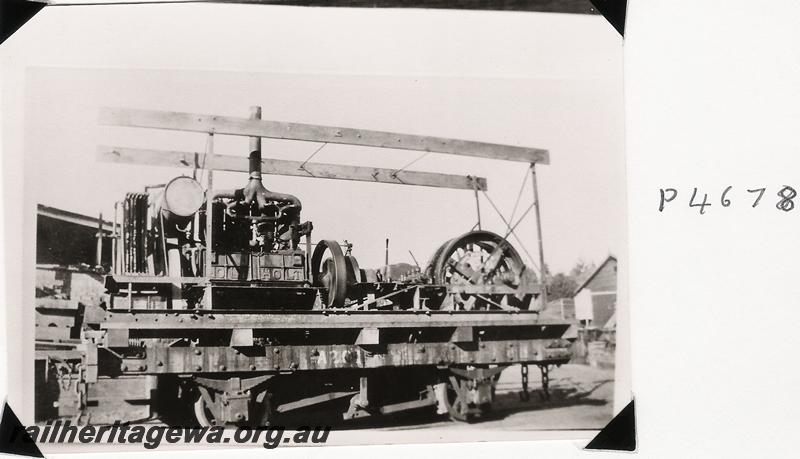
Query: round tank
pixel 183 196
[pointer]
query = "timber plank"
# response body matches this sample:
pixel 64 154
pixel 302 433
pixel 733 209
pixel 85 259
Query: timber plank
pixel 181 159
pixel 212 124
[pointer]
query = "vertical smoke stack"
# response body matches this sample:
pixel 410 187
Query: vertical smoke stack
pixel 99 248
pixel 386 262
pixel 255 148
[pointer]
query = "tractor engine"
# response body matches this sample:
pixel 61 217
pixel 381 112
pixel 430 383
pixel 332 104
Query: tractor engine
pixel 254 239
pixel 256 234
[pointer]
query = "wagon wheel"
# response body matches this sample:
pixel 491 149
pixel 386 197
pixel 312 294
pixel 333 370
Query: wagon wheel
pixel 263 409
pixel 479 258
pixel 330 273
pixel 206 403
pixel 204 408
pixel 457 406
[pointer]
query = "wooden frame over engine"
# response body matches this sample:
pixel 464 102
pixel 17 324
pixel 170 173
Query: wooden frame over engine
pixel 221 300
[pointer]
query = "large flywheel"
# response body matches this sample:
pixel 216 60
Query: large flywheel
pixel 481 258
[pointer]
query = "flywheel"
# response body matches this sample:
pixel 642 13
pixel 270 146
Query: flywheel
pixel 329 271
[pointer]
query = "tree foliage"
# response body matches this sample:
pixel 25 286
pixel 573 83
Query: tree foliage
pixel 563 285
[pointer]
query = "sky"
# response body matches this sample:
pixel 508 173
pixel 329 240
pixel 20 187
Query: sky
pixel 572 108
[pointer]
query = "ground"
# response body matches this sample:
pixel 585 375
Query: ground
pixel 581 397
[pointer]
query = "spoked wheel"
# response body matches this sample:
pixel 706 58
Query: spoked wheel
pixel 204 411
pixel 330 271
pixel 206 405
pixel 457 406
pixel 481 258
pixel 457 400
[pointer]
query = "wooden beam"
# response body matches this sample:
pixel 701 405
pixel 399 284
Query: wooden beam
pixel 315 133
pixel 330 318
pixel 190 160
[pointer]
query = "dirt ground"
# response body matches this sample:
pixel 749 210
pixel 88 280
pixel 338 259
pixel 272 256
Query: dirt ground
pixel 581 397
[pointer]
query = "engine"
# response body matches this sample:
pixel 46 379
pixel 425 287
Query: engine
pixel 248 236
pixel 256 233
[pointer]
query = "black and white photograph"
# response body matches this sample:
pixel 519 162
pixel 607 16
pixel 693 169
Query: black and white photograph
pixel 450 229
pixel 401 257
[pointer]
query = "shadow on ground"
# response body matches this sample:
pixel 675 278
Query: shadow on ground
pixel 580 397
pixel 568 392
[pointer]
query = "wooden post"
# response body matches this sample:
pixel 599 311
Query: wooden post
pixel 543 274
pixel 114 243
pixel 99 249
pixel 209 224
pixel 386 262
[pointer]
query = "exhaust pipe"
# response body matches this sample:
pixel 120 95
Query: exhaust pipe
pixel 255 190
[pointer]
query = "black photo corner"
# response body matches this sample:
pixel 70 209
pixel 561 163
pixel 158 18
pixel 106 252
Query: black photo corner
pixel 13 438
pixel 15 13
pixel 619 434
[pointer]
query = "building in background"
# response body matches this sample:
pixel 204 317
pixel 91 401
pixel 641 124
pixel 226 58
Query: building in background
pixel 595 303
pixel 67 238
pixel 596 298
pixel 68 275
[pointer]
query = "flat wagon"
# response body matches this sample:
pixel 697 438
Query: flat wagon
pixel 221 303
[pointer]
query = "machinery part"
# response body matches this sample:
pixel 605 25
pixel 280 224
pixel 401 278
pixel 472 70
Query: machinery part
pixel 354 273
pixel 431 264
pixel 456 400
pixel 204 411
pixel 525 395
pixel 263 409
pixel 470 393
pixel 183 197
pixel 480 258
pixel 477 257
pixel 233 401
pixel 332 273
pixel 545 369
pixel 255 191
pixel 136 237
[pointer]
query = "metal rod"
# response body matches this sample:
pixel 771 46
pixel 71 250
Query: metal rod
pixel 542 270
pixel 415 259
pixel 255 174
pixel 255 146
pixel 357 304
pixel 508 225
pixel 477 203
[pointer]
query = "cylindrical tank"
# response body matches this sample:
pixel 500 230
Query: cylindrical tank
pixel 181 199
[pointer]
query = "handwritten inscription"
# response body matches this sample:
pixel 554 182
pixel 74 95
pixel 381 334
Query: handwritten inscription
pixel 729 196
